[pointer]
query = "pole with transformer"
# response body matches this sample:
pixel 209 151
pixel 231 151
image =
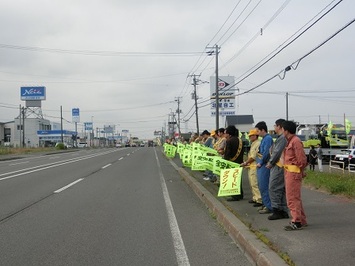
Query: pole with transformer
pixel 215 52
pixel 195 99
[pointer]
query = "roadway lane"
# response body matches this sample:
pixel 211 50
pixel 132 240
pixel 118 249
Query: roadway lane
pixel 123 208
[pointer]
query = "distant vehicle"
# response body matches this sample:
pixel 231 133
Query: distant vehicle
pixel 82 145
pixel 127 145
pixel 134 145
pixel 142 145
pixel 150 143
pixel 119 145
pixel 346 157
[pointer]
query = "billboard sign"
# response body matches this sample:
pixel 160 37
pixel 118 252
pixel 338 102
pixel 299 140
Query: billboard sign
pixel 226 95
pixel 109 129
pixel 75 115
pixel 88 126
pixel 33 93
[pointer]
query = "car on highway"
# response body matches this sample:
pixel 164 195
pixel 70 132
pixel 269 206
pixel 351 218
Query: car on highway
pixel 346 157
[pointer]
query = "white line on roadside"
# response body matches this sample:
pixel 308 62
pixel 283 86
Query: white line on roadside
pixel 179 246
pixel 107 165
pixel 12 164
pixel 120 158
pixel 68 186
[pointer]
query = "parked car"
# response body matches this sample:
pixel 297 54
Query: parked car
pixel 82 144
pixel 142 144
pixel 127 144
pixel 346 157
pixel 119 145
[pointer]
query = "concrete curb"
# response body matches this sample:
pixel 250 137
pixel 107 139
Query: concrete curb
pixel 253 248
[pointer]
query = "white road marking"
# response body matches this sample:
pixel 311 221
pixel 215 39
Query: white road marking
pixel 120 158
pixel 47 166
pixel 107 165
pixel 68 186
pixel 179 246
pixel 12 164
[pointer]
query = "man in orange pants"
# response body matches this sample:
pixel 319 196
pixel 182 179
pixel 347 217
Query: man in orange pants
pixel 295 162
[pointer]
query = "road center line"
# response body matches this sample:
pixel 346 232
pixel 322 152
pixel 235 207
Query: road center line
pixel 68 186
pixel 107 165
pixel 179 246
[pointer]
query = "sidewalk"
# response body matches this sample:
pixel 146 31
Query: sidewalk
pixel 328 240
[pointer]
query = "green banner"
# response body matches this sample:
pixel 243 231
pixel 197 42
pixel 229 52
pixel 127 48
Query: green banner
pixel 186 158
pixel 230 180
pixel 221 164
pixel 170 150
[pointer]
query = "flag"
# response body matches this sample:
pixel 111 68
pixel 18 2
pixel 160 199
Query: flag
pixel 329 128
pixel 347 126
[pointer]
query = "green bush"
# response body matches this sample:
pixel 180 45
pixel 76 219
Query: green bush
pixel 60 146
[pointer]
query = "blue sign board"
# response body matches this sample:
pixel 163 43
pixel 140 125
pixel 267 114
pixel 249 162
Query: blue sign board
pixel 33 93
pixel 75 115
pixel 75 112
pixel 88 125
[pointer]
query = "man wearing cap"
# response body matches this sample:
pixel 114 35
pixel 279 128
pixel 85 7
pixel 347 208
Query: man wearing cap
pixel 277 191
pixel 251 164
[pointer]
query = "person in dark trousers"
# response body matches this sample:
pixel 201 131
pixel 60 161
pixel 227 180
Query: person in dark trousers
pixel 277 192
pixel 234 152
pixel 312 158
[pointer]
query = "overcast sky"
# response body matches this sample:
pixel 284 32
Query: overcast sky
pixel 124 63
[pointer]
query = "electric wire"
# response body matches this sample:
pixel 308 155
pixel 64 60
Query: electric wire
pixel 284 47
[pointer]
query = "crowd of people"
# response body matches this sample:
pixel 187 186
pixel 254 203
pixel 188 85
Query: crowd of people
pixel 275 167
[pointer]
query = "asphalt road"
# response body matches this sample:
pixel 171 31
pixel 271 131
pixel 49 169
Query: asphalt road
pixel 124 206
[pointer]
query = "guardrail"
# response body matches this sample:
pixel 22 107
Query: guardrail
pixel 336 165
pixel 341 166
pixel 349 168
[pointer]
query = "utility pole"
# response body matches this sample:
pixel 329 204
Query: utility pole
pixel 61 124
pixel 217 92
pixel 286 105
pixel 23 128
pixel 216 47
pixel 178 112
pixel 195 98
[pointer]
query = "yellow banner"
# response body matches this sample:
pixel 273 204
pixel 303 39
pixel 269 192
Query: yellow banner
pixel 230 180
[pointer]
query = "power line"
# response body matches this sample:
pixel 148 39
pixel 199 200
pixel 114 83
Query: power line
pixel 95 53
pixel 284 47
pixel 258 33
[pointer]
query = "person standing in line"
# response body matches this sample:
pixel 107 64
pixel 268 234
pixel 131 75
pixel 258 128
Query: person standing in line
pixel 277 191
pixel 320 158
pixel 209 142
pixel 219 146
pixel 295 162
pixel 251 164
pixel 234 152
pixel 263 173
pixel 312 158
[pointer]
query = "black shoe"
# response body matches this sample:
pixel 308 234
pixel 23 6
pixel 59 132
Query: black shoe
pixel 275 216
pixel 232 199
pixel 293 226
pixel 257 204
pixel 252 201
pixel 235 198
pixel 284 215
